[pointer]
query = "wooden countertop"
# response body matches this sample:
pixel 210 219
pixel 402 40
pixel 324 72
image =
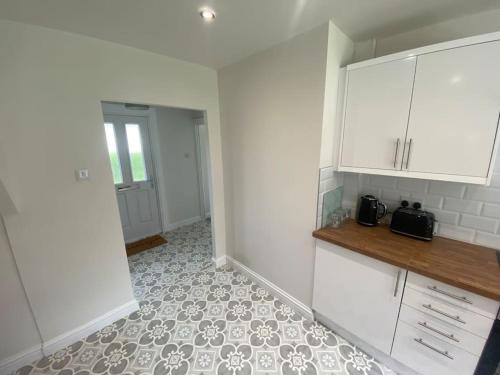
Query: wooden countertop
pixel 467 266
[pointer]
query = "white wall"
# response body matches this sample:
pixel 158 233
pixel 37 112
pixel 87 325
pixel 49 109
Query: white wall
pixel 66 238
pixel 272 117
pixel 177 145
pixel 340 53
pixel 480 23
pixel 17 327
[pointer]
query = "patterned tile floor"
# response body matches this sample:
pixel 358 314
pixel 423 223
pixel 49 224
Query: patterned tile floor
pixel 195 319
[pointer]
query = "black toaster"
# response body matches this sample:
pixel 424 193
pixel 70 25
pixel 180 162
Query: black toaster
pixel 413 222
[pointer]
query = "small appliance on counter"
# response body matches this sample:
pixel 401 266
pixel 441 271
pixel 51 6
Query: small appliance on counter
pixel 413 222
pixel 370 210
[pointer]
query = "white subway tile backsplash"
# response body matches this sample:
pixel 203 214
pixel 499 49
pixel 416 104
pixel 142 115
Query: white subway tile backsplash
pixel 455 232
pixel 461 205
pixel 491 210
pixel 392 195
pixel 488 239
pixel 478 222
pixel 427 201
pixel 327 185
pixel 413 185
pixel 447 189
pixel 382 181
pixel 464 212
pixel 483 193
pixel 447 217
pixel 326 173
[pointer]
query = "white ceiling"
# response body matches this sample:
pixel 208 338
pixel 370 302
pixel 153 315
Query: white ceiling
pixel 242 27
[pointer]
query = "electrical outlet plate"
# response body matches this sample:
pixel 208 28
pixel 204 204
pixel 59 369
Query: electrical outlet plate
pixel 82 174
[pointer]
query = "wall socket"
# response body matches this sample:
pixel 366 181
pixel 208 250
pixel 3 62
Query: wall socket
pixel 82 174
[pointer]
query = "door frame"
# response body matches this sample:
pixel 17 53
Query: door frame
pixel 201 186
pixel 150 120
pixel 115 106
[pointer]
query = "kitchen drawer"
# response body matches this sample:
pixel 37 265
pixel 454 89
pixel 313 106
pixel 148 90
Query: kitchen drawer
pixel 467 300
pixel 429 355
pixel 442 330
pixel 448 312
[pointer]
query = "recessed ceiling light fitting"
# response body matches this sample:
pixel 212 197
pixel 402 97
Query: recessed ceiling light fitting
pixel 207 14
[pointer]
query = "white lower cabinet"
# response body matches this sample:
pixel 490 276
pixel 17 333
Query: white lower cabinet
pixel 428 326
pixel 360 294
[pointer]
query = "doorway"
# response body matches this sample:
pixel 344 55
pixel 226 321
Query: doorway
pixel 160 163
pixel 129 148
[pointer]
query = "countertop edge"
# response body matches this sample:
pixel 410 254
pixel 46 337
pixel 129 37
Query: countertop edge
pixel 485 292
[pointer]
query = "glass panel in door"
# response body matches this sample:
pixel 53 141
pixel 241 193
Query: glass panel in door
pixel 114 158
pixel 136 153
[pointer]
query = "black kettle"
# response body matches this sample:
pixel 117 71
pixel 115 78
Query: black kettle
pixel 370 210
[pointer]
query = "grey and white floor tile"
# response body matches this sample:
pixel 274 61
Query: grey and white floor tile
pixel 195 319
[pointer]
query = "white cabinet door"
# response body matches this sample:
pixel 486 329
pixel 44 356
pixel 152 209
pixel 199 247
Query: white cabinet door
pixel 455 110
pixel 376 114
pixel 360 294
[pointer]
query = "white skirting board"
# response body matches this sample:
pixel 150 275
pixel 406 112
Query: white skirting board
pixel 51 346
pixel 276 290
pixel 181 223
pixel 16 361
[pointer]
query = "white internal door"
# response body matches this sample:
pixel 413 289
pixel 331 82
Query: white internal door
pixel 133 174
pixel 455 110
pixel 378 101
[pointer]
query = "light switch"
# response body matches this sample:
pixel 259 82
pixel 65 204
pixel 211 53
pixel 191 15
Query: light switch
pixel 82 174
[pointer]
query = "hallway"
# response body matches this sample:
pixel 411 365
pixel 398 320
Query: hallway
pixel 195 319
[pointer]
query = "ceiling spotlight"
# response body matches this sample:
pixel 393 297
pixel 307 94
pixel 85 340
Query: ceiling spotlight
pixel 207 14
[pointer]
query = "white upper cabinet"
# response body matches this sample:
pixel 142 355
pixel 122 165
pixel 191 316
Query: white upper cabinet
pixel 376 114
pixel 441 102
pixel 455 109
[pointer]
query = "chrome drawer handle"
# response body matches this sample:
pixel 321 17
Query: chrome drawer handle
pixel 442 352
pixel 454 296
pixel 447 335
pixel 454 317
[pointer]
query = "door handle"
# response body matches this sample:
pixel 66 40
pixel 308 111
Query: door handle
pixel 396 154
pixel 409 153
pixel 396 288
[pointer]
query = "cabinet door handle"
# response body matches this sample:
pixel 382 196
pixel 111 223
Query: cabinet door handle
pixel 396 154
pixel 396 288
pixel 447 335
pixel 442 352
pixel 454 296
pixel 454 317
pixel 409 153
